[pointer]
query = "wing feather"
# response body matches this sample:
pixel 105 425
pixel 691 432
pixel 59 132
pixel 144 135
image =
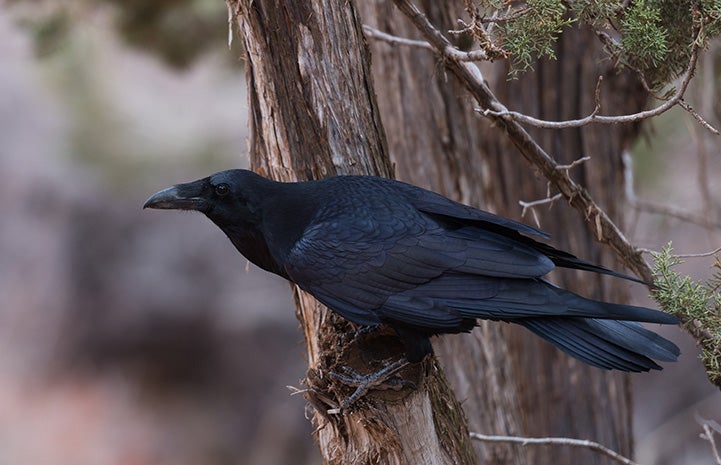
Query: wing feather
pixel 361 265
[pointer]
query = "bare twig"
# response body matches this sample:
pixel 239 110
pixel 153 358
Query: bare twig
pixel 714 425
pixel 374 33
pixel 596 118
pixel 473 55
pixel 573 164
pixel 709 427
pixel 700 255
pixel 685 255
pixel 708 434
pixel 698 117
pixel 550 200
pixel 586 444
pixel 535 203
pixel 294 391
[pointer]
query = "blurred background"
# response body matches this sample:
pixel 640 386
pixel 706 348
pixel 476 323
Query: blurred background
pixel 140 337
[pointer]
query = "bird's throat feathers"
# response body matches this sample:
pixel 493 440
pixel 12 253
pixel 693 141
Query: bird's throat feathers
pixel 265 229
pixel 251 243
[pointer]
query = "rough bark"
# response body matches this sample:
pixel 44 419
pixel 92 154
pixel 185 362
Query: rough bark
pixel 511 382
pixel 313 113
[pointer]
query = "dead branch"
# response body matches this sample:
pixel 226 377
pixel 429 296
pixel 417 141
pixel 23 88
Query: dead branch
pixel 709 428
pixel 474 55
pixel 573 164
pixel 594 117
pixel 558 442
pixel 699 119
pixel 530 205
pixel 374 33
pixel 699 255
pixel 685 255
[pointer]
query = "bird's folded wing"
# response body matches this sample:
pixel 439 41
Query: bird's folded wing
pixel 473 220
pixel 430 202
pixel 360 267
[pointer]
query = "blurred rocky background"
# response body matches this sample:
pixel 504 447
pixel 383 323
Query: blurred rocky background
pixel 140 337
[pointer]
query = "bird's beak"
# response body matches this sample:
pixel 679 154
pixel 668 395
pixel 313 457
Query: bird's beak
pixel 179 197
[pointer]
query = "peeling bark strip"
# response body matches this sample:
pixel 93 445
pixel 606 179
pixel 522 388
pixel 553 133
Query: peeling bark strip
pixel 314 114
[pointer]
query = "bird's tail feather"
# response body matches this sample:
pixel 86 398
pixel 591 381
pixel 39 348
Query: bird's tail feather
pixel 511 299
pixel 610 344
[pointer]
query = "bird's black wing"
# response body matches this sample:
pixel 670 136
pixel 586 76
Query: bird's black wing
pixel 386 260
pixel 437 205
pixel 408 269
pixel 367 265
pixel 473 219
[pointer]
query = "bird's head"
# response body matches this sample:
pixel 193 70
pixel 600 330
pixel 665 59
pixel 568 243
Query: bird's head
pixel 231 199
pixel 234 200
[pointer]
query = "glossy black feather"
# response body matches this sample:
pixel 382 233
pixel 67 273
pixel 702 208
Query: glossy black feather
pixel 381 251
pixel 611 344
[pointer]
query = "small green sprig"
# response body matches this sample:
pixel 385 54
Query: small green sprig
pixel 696 303
pixel 533 33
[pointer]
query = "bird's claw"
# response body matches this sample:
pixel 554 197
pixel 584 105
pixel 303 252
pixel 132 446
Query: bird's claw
pixel 382 379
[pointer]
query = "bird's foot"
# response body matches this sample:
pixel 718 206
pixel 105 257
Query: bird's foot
pixel 382 379
pixel 358 334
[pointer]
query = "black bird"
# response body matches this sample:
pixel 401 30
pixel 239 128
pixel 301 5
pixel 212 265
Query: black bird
pixel 379 251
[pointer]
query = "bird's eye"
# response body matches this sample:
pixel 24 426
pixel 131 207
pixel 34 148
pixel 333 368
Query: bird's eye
pixel 222 190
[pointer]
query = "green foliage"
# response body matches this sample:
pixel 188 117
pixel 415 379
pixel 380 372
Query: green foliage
pixel 644 35
pixel 533 33
pixel 653 37
pixel 696 303
pixel 657 37
pixel 595 13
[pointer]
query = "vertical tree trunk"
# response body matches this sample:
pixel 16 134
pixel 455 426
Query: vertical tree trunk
pixel 314 114
pixel 511 381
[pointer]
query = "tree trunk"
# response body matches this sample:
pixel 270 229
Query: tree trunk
pixel 511 382
pixel 313 113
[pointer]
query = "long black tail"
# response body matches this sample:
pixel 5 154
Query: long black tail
pixel 610 344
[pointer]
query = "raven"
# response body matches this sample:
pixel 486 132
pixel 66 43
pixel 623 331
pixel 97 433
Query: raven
pixel 379 251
